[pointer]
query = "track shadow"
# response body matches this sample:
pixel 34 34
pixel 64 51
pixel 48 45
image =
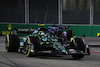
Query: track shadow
pixel 56 57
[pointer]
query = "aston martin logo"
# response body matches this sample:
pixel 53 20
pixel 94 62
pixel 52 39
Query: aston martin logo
pixel 9 26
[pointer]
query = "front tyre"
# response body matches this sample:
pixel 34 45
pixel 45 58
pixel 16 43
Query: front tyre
pixel 30 49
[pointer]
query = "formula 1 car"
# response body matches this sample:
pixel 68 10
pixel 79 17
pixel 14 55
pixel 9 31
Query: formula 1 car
pixel 44 41
pixel 74 46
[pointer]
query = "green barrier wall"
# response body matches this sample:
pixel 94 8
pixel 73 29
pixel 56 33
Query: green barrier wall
pixel 88 31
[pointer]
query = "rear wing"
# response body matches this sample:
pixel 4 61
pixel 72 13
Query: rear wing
pixel 63 27
pixel 57 28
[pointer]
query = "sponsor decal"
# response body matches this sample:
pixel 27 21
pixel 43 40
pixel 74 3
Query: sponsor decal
pixel 9 27
pixel 7 32
pixel 24 30
pixel 41 25
pixel 98 34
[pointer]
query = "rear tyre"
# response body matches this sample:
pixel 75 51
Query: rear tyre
pixel 12 43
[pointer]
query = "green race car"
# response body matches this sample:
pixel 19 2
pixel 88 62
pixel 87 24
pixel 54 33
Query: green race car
pixel 44 41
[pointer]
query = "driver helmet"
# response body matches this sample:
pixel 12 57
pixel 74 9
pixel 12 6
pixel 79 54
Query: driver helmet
pixel 42 33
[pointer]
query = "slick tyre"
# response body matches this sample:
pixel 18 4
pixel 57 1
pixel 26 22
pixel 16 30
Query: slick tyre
pixel 80 44
pixel 12 43
pixel 30 48
pixel 36 42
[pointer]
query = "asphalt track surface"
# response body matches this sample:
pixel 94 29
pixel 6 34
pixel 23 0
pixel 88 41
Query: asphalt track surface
pixel 12 59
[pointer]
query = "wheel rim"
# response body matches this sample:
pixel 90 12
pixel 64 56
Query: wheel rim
pixel 27 50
